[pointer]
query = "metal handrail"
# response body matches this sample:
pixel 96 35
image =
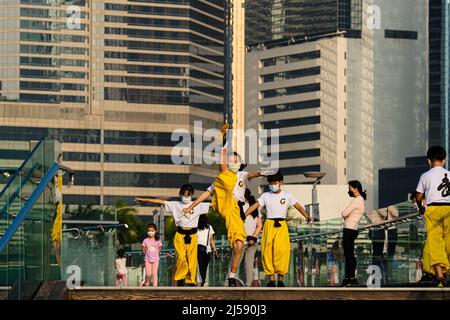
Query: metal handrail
pixel 376 226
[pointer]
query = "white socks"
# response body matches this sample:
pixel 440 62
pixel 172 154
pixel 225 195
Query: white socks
pixel 232 275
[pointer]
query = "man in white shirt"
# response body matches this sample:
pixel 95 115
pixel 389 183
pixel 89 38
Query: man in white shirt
pixel 275 243
pixel 435 184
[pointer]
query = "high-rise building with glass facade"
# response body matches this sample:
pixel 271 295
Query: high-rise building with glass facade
pixel 439 62
pixel 112 80
pixel 268 20
pixel 378 90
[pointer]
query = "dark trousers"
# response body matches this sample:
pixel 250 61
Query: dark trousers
pixel 203 261
pixel 377 237
pixel 392 242
pixel 348 239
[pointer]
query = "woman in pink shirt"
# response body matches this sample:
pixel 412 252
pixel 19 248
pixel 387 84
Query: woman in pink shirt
pixel 352 214
pixel 151 247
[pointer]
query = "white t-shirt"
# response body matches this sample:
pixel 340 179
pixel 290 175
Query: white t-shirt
pixel 203 237
pixel 435 183
pixel 121 265
pixel 242 183
pixel 191 219
pixel 251 223
pixel 276 204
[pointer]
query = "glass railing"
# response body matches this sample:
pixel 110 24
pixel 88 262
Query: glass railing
pixel 89 248
pixel 317 258
pixel 26 253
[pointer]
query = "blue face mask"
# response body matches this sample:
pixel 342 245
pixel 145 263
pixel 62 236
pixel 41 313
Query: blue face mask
pixel 274 187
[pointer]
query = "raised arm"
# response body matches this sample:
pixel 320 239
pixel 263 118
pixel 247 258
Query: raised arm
pixel 303 211
pixel 223 160
pixel 252 208
pixel 200 199
pixel 147 200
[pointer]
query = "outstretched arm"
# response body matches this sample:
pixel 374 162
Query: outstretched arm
pixel 200 199
pixel 303 212
pixel 157 201
pixel 252 208
pixel 253 175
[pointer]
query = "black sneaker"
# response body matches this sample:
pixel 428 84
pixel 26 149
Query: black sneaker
pixel 353 282
pixel 345 282
pixel 441 283
pixel 271 284
pixel 180 283
pixel 280 284
pixel 232 282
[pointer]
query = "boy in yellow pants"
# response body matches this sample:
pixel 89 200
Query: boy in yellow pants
pixel 185 240
pixel 435 183
pixel 275 244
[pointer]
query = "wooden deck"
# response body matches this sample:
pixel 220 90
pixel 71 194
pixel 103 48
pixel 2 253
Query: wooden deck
pixel 195 293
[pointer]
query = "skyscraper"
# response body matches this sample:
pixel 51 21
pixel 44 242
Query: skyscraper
pixel 269 20
pixel 439 84
pixel 381 82
pixel 112 80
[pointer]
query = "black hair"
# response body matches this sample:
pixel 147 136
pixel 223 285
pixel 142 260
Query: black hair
pixel 237 155
pixel 152 225
pixel 242 167
pixel 413 196
pixel 436 153
pixel 203 221
pixel 275 177
pixel 251 201
pixel 121 253
pixel 186 187
pixel 357 185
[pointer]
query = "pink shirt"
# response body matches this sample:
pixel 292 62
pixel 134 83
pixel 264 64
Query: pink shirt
pixel 151 249
pixel 353 213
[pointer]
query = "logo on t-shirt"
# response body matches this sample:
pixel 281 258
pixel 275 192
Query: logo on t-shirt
pixel 241 184
pixel 444 187
pixel 283 201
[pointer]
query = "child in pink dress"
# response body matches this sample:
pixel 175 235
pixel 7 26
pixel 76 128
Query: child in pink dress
pixel 151 247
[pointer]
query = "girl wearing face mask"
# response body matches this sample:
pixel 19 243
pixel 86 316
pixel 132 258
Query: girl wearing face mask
pixel 185 240
pixel 151 247
pixel 352 214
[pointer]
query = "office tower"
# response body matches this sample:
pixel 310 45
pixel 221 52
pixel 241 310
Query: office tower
pixel 384 91
pixel 300 89
pixel 270 20
pixel 112 80
pixel 438 32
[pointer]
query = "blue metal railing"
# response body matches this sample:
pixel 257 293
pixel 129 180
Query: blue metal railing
pixel 13 176
pixel 28 205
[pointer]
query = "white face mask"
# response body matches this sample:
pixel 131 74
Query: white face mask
pixel 186 200
pixel 274 187
pixel 151 233
pixel 234 167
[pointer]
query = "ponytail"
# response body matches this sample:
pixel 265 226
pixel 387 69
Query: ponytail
pixel 357 185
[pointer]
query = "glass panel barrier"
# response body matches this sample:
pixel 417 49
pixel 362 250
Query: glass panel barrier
pixel 28 257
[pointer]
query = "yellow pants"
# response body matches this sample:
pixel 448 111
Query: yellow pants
pixel 186 267
pixel 437 244
pixel 275 248
pixel 224 203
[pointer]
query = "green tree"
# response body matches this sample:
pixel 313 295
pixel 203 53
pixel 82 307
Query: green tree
pixel 136 230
